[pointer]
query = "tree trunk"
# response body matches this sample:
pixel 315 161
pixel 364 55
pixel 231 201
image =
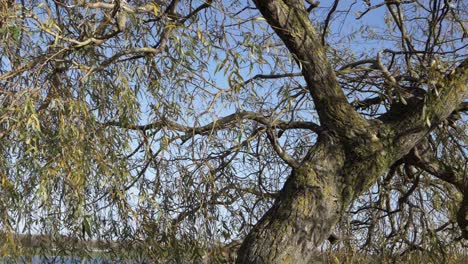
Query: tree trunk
pixel 301 218
pixel 349 156
pixel 310 204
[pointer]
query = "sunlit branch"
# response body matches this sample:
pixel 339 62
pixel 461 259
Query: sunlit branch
pixel 221 123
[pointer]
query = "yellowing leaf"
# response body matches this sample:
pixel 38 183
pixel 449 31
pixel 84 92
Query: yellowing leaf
pixel 155 8
pixel 428 122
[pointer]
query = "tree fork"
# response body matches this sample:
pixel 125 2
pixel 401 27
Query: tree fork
pixel 336 171
pixel 303 215
pixel 312 201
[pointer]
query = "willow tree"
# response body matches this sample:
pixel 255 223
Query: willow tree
pixel 180 128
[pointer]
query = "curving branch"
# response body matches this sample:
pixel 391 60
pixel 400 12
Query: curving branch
pixel 222 123
pixel 328 19
pixel 411 125
pixel 290 20
pixel 271 76
pixel 280 151
pixel 423 157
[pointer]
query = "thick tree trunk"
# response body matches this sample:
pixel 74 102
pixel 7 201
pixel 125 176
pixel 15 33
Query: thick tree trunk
pixel 318 191
pixel 310 204
pixel 349 156
pixel 299 221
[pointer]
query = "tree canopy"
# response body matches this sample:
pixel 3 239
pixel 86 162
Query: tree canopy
pixel 176 130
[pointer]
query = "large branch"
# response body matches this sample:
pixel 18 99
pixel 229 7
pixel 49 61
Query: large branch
pixel 221 123
pixel 290 20
pixel 423 157
pixel 414 121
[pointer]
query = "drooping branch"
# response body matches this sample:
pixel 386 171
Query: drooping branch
pixel 423 157
pixel 197 10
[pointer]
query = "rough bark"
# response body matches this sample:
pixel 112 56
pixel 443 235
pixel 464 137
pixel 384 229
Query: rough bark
pixel 350 154
pixel 290 21
pixel 311 202
pixel 303 215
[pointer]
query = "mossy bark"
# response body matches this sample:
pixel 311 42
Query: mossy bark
pixel 303 215
pixel 310 204
pixel 292 229
pixel 350 154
